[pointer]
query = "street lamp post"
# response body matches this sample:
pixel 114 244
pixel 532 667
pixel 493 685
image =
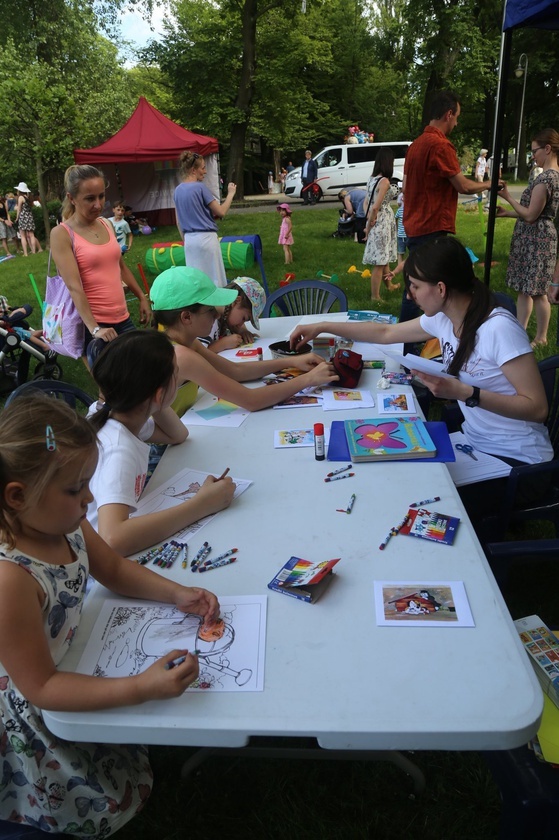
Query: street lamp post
pixel 521 70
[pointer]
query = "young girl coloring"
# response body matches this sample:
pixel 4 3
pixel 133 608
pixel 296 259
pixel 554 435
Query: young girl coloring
pixel 286 231
pixel 184 301
pixel 137 375
pixel 229 330
pixel 47 549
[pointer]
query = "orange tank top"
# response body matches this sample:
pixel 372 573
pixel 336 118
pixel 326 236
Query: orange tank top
pixel 99 267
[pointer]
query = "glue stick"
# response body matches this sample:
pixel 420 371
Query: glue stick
pixel 319 452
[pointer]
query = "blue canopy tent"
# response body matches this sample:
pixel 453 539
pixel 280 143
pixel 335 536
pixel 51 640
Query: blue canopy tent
pixel 538 14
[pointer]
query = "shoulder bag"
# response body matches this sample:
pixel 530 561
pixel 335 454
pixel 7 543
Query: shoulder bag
pixel 63 327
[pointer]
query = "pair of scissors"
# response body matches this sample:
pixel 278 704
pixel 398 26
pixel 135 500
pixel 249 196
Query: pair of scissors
pixel 466 449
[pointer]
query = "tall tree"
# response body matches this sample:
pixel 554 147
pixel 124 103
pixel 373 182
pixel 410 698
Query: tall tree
pixel 70 90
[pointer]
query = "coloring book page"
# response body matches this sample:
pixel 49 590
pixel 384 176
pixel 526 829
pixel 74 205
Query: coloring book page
pixel 184 485
pixel 129 636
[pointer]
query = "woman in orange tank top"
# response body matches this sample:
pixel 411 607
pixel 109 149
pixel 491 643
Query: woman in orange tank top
pixel 90 262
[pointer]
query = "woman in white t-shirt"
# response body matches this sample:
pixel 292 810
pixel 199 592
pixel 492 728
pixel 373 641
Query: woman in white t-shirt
pixel 498 385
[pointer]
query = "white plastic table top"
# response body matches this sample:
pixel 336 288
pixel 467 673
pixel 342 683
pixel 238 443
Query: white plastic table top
pixel 331 672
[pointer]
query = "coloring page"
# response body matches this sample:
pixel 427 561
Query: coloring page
pixel 129 636
pixel 184 485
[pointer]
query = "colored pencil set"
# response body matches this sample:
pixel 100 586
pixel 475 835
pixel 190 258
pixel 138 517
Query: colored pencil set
pixel 165 555
pixel 200 562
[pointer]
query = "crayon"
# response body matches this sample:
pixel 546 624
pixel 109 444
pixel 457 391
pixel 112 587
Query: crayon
pixel 198 556
pixel 217 565
pixel 339 477
pixel 386 540
pixel 174 662
pixel 336 472
pixel 223 474
pixel 425 502
pixel 397 528
pixel 351 503
pixel 221 557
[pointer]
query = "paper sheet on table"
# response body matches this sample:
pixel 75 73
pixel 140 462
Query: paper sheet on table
pixel 396 403
pixel 130 635
pixel 336 399
pixel 213 411
pixel 467 471
pixel 184 485
pixel 297 438
pixel 419 363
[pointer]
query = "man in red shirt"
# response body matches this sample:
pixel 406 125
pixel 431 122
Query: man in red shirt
pixel 432 181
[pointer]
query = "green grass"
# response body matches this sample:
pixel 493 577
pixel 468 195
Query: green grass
pixel 265 798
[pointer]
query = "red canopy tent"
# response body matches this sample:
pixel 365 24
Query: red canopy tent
pixel 140 161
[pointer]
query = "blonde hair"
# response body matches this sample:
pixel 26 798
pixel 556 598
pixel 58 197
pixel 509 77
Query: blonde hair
pixel 24 452
pixel 187 162
pixel 73 178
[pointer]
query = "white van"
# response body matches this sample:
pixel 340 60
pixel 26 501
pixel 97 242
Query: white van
pixel 347 165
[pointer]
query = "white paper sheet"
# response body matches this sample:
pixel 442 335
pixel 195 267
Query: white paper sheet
pixel 130 635
pixel 465 470
pixel 184 485
pixel 336 399
pixel 297 438
pixel 396 402
pixel 419 363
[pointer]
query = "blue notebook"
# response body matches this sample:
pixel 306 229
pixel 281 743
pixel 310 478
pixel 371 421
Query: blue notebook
pixel 338 449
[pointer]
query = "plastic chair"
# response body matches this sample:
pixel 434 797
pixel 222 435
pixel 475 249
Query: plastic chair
pixel 547 509
pixel 73 395
pixel 306 297
pixel 529 792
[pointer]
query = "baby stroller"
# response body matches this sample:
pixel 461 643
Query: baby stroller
pixel 16 351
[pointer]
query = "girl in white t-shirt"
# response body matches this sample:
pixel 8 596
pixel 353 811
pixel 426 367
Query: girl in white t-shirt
pixel 137 375
pixel 497 384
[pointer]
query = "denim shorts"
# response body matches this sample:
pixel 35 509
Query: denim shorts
pixel 93 346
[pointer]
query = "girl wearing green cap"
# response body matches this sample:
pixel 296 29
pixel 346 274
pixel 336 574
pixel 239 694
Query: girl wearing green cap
pixel 183 302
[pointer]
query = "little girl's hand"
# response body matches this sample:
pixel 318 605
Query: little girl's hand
pixel 322 374
pixel 306 362
pixel 161 683
pixel 215 494
pixel 230 342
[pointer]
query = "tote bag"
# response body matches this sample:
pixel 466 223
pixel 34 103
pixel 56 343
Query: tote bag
pixel 63 327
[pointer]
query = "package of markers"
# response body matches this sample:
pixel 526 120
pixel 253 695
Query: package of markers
pixel 430 525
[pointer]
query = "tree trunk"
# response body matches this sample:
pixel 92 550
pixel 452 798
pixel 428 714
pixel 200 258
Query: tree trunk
pixel 41 183
pixel 243 102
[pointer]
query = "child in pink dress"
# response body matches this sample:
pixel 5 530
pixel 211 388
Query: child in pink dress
pixel 286 231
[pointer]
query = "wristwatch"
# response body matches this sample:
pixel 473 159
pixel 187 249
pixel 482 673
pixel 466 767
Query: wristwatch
pixel 95 330
pixel 473 401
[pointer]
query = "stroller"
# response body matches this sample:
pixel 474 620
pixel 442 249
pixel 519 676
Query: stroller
pixel 16 351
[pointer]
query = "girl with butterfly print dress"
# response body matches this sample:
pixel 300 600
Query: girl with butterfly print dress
pixel 46 550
